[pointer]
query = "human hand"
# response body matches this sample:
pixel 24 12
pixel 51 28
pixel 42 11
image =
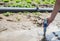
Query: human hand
pixel 49 20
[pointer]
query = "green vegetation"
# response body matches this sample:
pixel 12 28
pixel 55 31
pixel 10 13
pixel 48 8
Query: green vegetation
pixel 8 14
pixel 24 13
pixel 5 0
pixel 49 2
pixel 27 3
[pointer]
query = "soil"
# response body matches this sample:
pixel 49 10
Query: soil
pixel 20 27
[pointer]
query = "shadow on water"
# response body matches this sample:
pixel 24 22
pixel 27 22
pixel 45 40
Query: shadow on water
pixel 44 39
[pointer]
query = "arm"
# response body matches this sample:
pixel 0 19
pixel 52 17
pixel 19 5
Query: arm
pixel 55 11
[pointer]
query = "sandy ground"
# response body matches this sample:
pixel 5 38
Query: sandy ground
pixel 26 27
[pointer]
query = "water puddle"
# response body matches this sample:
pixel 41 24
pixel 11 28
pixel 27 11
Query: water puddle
pixel 53 36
